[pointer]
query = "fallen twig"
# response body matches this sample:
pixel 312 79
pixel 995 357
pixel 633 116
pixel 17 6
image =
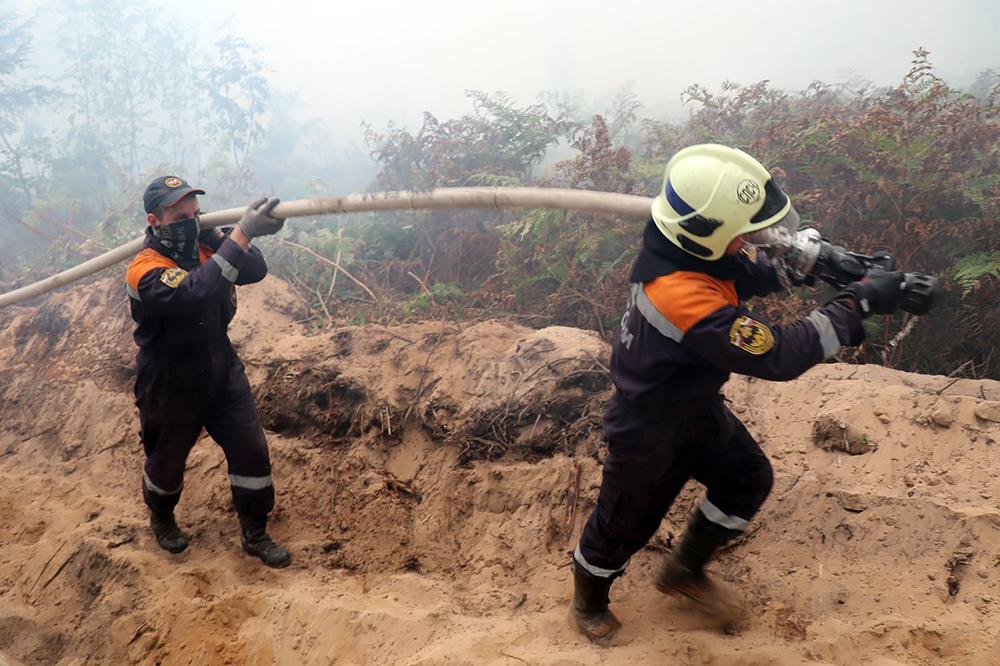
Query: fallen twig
pixel 952 374
pixel 332 263
pixel 397 335
pixel 959 368
pixel 44 567
pixel 322 303
pixel 402 487
pixel 948 385
pixel 510 656
pixel 422 284
pixel 340 247
pixel 61 567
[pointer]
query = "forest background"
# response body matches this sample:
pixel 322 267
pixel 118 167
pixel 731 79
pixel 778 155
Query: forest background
pixel 910 168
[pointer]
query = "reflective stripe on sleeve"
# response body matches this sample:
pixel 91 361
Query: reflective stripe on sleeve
pixel 153 488
pixel 132 291
pixel 596 571
pixel 250 482
pixel 827 333
pixel 229 271
pixel 713 513
pixel 653 316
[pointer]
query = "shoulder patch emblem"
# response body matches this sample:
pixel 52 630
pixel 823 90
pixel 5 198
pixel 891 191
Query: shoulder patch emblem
pixel 173 276
pixel 751 336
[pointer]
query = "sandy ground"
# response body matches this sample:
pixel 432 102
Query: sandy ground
pixel 431 479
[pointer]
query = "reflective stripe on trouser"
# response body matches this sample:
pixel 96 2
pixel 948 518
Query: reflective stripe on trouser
pixel 649 462
pixel 595 571
pixel 177 399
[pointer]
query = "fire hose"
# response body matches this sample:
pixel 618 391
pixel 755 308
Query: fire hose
pixel 459 197
pixel 804 253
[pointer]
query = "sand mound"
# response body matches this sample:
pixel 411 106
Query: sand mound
pixel 431 479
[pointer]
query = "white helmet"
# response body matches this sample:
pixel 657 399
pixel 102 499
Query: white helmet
pixel 711 194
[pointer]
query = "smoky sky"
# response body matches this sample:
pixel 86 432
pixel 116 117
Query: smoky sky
pixel 391 60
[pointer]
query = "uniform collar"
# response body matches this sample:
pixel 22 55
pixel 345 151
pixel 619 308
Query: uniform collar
pixel 658 256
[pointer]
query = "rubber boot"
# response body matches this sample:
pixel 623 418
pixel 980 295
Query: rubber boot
pixel 682 572
pixel 253 536
pixel 168 535
pixel 588 612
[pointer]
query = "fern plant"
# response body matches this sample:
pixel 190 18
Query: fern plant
pixel 970 270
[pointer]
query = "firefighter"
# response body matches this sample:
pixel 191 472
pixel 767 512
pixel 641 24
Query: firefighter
pixel 683 332
pixel 182 289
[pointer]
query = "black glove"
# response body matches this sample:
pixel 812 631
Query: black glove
pixel 880 293
pixel 884 261
pixel 919 293
pixel 258 220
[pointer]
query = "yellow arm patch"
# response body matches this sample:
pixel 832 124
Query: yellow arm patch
pixel 751 336
pixel 173 276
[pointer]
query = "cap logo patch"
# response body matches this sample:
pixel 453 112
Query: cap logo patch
pixel 748 191
pixel 173 182
pixel 751 336
pixel 173 276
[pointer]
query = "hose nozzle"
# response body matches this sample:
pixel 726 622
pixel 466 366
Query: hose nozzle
pixel 808 253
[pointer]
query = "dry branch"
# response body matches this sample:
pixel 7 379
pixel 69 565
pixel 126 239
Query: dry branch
pixel 332 263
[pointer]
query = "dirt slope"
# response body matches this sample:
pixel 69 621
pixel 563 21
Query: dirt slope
pixel 431 479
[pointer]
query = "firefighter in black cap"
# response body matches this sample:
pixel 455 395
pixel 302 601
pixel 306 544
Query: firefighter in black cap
pixel 182 289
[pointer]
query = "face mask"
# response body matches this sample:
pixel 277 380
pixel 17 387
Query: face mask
pixel 181 239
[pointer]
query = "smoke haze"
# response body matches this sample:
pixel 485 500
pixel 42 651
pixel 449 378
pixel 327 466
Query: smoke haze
pixel 389 60
pixel 392 60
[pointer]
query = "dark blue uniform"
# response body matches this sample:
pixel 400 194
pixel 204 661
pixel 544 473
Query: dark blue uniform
pixel 189 376
pixel 684 331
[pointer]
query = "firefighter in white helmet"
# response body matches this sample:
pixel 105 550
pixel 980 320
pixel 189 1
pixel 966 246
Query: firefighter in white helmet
pixel 684 331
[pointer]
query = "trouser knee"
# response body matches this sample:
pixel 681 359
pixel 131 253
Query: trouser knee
pixel 158 499
pixel 729 506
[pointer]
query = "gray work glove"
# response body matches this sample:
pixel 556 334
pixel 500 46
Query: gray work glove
pixel 878 294
pixel 258 220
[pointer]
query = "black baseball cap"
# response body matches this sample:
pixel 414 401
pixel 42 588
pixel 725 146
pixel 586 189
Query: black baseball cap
pixel 166 191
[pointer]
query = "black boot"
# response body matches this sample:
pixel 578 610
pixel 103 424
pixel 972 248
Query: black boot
pixel 589 613
pixel 682 571
pixel 168 535
pixel 253 536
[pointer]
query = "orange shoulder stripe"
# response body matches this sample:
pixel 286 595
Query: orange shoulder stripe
pixel 685 297
pixel 144 262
